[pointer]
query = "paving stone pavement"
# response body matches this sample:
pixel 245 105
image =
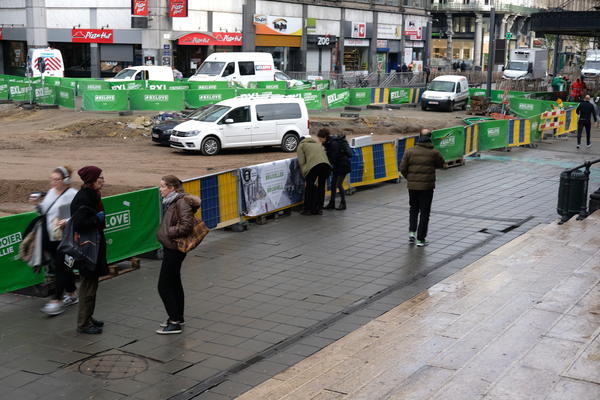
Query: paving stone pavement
pixel 260 301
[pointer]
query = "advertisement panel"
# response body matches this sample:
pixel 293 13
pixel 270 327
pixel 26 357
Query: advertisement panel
pixel 360 97
pixel 312 98
pixel 128 85
pixel 166 85
pixel 208 85
pixel 400 95
pixel 273 25
pixel 526 108
pixel 160 100
pixel 322 85
pixel 139 8
pixel 14 273
pixel 260 92
pixel 65 97
pixel 359 30
pixel 389 31
pixel 450 142
pixel 20 91
pixel 414 25
pixel 493 135
pixel 178 8
pixel 212 39
pixel 272 85
pixel 44 94
pixel 92 35
pixel 4 90
pixel 105 100
pixel 337 98
pixel 92 84
pixel 199 98
pixel 271 186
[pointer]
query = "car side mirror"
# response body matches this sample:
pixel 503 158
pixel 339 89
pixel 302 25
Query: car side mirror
pixel 229 121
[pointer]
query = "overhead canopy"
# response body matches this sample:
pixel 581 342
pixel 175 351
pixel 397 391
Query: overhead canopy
pixel 577 23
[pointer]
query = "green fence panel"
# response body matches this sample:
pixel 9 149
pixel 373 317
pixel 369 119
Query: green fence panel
pixel 128 85
pixel 52 81
pixel 13 78
pixel 337 98
pixel 450 142
pixel 91 84
pixel 4 92
pixel 209 85
pixel 65 96
pixel 105 100
pixel 159 100
pixel 199 98
pixel 69 82
pixel 14 273
pixel 167 85
pixel 497 95
pixel 400 95
pixel 20 91
pixel 322 85
pixel 260 92
pixel 131 223
pixel 44 94
pixel 360 97
pixel 272 85
pixel 493 134
pixel 477 92
pixel 526 108
pixel 535 124
pixel 312 98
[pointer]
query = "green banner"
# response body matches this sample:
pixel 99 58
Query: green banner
pixel 199 98
pixel 52 81
pixel 166 85
pixel 4 92
pixel 65 97
pixel 272 85
pixel 400 95
pixel 305 85
pixel 477 92
pixel 535 128
pixel 91 84
pixel 128 85
pixel 360 97
pixel 70 82
pixel 337 98
pixel 20 91
pixel 131 223
pixel 105 100
pixel 260 92
pixel 526 108
pixel 493 135
pixel 312 98
pixel 322 85
pixel 44 94
pixel 450 142
pixel 160 100
pixel 14 273
pixel 198 85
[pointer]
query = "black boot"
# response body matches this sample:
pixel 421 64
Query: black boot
pixel 330 206
pixel 342 206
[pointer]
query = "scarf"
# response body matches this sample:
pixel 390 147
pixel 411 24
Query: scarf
pixel 168 199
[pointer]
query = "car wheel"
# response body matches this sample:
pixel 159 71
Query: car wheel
pixel 289 143
pixel 210 146
pixel 423 107
pixel 464 106
pixel 451 106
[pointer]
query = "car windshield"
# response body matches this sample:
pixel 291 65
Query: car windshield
pixel 592 65
pixel 441 86
pixel 280 76
pixel 125 74
pixel 517 65
pixel 210 68
pixel 211 114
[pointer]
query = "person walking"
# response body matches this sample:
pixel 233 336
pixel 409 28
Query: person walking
pixel 586 111
pixel 339 154
pixel 315 168
pixel 418 167
pixel 177 222
pixel 55 207
pixel 87 215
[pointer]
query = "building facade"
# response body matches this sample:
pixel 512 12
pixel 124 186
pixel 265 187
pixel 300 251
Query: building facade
pixel 98 38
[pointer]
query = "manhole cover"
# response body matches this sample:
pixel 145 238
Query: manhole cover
pixel 113 366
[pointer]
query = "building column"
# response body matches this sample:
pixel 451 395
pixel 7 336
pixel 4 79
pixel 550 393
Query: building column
pixel 248 29
pixel 37 33
pixel 449 34
pixel 402 43
pixel 503 22
pixel 151 40
pixel 94 47
pixel 372 67
pixel 304 40
pixel 478 40
pixel 340 52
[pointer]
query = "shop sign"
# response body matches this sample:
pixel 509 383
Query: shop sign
pixel 212 39
pixel 382 44
pixel 359 30
pixel 139 8
pixel 356 42
pixel 1 33
pixel 311 25
pixel 414 25
pixel 273 25
pixel 386 31
pixel 92 36
pixel 178 8
pixel 321 40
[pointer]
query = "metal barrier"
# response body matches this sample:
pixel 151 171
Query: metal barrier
pixel 471 139
pixel 519 132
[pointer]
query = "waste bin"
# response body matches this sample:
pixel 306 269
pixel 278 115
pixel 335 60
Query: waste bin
pixel 571 193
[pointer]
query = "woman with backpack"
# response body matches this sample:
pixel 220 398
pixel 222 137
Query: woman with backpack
pixel 339 154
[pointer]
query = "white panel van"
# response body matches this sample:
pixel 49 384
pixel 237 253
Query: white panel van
pixel 144 73
pixel 446 92
pixel 50 60
pixel 238 67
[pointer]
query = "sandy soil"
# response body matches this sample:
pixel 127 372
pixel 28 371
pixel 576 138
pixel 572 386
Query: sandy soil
pixel 33 142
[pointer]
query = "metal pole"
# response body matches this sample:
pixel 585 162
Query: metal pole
pixel 491 51
pixel 555 67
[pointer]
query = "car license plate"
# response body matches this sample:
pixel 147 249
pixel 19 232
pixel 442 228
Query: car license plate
pixel 155 135
pixel 434 102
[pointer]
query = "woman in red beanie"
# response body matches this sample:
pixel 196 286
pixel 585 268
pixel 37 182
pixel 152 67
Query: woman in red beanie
pixel 87 214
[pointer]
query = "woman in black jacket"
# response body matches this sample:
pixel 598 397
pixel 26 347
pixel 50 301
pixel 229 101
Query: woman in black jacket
pixel 87 214
pixel 340 157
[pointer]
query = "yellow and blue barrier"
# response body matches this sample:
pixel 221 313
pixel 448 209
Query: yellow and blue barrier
pixel 373 163
pixel 569 122
pixel 519 132
pixel 402 145
pixel 380 95
pixel 471 139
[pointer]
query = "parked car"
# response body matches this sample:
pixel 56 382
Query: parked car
pixel 161 131
pixel 446 92
pixel 144 72
pixel 245 122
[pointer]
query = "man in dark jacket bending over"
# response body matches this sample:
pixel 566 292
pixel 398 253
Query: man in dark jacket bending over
pixel 586 112
pixel 418 167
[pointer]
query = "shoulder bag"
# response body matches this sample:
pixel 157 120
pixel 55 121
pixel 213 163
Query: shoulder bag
pixel 190 242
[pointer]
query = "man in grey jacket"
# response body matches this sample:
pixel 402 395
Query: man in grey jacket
pixel 418 168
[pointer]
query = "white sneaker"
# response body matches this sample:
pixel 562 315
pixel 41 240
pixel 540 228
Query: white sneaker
pixel 70 300
pixel 53 308
pixel 412 237
pixel 422 243
pixel 589 145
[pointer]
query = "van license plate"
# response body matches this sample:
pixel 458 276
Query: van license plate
pixel 434 102
pixel 155 135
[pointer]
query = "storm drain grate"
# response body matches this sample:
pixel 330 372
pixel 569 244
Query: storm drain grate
pixel 113 366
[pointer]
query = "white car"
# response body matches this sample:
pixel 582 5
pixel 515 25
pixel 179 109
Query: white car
pixel 244 122
pixel 446 92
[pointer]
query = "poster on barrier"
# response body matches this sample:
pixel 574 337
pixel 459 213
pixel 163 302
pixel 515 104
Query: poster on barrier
pixel 44 94
pixel 4 90
pixel 260 92
pixel 312 98
pixel 199 98
pixel 195 85
pixel 20 91
pixel 91 84
pixel 360 97
pixel 128 85
pixel 131 223
pixel 525 108
pixel 65 97
pixel 105 100
pixel 322 85
pixel 271 186
pixel 69 82
pixel 400 95
pixel 450 142
pixel 337 98
pixel 493 135
pixel 14 273
pixel 272 85
pixel 52 81
pixel 160 100
pixel 164 85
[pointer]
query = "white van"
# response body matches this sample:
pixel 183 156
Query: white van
pixel 244 121
pixel 50 60
pixel 144 73
pixel 239 67
pixel 446 92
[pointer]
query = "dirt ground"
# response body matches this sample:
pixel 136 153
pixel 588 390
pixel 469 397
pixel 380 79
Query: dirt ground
pixel 33 142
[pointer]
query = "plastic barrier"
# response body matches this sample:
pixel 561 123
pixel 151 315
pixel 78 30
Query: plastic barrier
pixel 91 84
pixel 534 131
pixel 52 81
pixel 4 92
pixel 496 95
pixel 220 198
pixel 405 95
pixel 525 108
pixel 128 85
pixel 105 100
pixel 260 92
pixel 65 96
pixel 380 95
pixel 493 134
pixel 337 98
pixel 360 97
pixel 569 122
pixel 374 163
pixel 20 91
pixel 166 85
pixel 322 85
pixel 402 145
pixel 450 142
pixel 471 139
pixel 160 100
pixel 282 85
pixel 519 132
pixel 44 94
pixel 312 98
pixel 196 85
pixel 199 98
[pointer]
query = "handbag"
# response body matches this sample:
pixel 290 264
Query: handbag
pixel 190 242
pixel 82 247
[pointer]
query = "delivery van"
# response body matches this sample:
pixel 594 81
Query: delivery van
pixel 144 73
pixel 45 62
pixel 237 67
pixel 446 92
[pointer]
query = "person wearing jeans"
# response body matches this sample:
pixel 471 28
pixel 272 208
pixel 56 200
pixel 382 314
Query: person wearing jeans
pixel 586 111
pixel 418 168
pixel 315 168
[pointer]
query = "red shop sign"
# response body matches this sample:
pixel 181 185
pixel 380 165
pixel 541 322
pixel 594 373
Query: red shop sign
pixel 1 33
pixel 139 8
pixel 178 8
pixel 92 35
pixel 211 39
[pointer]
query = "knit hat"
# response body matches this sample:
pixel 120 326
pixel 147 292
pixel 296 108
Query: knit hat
pixel 89 174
